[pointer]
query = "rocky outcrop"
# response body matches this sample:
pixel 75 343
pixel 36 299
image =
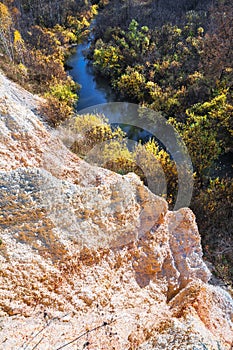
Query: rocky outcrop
pixel 91 257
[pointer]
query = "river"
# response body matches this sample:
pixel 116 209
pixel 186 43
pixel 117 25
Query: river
pixel 94 89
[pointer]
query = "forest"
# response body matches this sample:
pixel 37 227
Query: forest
pixel 172 57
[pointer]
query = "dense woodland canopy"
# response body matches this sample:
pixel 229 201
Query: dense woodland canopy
pixel 35 36
pixel 172 56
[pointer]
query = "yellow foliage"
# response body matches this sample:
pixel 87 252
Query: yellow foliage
pixel 64 91
pixel 108 148
pixel 92 130
pixel 157 167
pixel 116 150
pixel 133 83
pixel 17 37
pixel 94 10
pixel 23 69
pixel 55 111
pixel 5 17
pixel 85 122
pixel 5 30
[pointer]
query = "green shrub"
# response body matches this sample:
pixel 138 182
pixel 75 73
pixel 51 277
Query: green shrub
pixel 64 91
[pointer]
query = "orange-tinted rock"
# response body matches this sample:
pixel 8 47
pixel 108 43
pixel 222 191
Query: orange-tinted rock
pixel 103 262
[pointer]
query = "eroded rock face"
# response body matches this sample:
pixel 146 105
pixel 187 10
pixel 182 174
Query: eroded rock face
pixel 90 253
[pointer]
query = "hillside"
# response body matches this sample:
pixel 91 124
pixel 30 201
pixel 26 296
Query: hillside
pixel 174 58
pixel 79 255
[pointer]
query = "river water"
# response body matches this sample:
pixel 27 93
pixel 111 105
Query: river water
pixel 94 90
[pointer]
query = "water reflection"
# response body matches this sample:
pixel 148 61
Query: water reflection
pixel 94 90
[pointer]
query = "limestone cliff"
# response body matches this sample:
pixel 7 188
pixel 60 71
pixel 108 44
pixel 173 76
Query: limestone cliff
pixel 81 264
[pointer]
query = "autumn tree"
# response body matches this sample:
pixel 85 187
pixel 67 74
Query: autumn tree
pixel 217 56
pixel 6 39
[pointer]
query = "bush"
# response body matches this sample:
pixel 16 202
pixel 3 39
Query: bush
pixel 213 207
pixel 92 130
pixel 107 147
pixel 64 91
pixel 55 111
